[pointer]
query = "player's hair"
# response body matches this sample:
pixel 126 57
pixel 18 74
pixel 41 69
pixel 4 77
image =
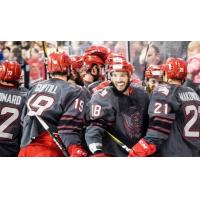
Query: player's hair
pixel 51 75
pixel 157 50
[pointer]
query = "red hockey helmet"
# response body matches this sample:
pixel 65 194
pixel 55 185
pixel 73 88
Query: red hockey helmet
pixel 76 62
pixel 153 71
pixel 10 71
pixel 121 67
pixel 58 62
pixel 100 51
pixel 90 60
pixel 175 68
pixel 115 58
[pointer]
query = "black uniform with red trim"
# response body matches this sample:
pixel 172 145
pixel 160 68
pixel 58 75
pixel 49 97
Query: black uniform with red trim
pixel 194 86
pixel 123 116
pixel 174 125
pixel 12 101
pixel 61 105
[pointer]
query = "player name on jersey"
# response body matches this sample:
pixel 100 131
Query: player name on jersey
pixel 10 98
pixel 189 96
pixel 46 88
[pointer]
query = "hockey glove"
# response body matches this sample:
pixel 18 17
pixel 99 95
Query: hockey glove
pixel 77 151
pixel 142 149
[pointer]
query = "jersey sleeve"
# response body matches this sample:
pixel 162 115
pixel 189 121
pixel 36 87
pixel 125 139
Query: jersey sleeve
pixel 161 116
pixel 102 115
pixel 72 120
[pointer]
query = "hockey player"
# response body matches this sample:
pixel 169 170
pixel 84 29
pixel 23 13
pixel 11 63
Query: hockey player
pixel 153 76
pixel 61 105
pixel 12 100
pixel 112 57
pixel 94 61
pixel 76 65
pixel 91 71
pixel 174 112
pixel 117 58
pixel 120 109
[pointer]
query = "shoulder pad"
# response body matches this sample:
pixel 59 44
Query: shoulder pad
pixel 105 92
pixel 163 89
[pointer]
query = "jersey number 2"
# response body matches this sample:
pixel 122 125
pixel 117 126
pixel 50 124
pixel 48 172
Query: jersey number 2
pixel 9 121
pixel 188 127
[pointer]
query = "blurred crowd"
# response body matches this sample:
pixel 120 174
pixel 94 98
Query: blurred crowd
pixel 27 52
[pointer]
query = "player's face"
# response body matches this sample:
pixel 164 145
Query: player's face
pixel 120 80
pixel 88 78
pixel 152 83
pixel 165 79
pixel 94 70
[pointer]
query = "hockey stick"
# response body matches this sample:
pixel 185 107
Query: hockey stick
pixel 128 53
pixel 44 49
pixel 145 62
pixel 59 143
pixel 46 57
pixel 120 143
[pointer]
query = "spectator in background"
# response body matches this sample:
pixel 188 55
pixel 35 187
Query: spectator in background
pixel 7 53
pixel 78 48
pixel 135 53
pixel 26 45
pixel 120 48
pixel 110 44
pixel 153 56
pixel 149 57
pixel 17 55
pixel 1 50
pixel 193 76
pixel 172 48
pixel 36 66
pixel 9 44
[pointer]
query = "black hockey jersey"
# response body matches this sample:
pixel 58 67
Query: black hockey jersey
pixel 123 116
pixel 194 86
pixel 61 105
pixel 11 104
pixel 174 124
pixel 93 85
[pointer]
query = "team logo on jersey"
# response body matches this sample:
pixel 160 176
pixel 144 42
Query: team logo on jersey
pixel 163 89
pixel 103 93
pixel 132 122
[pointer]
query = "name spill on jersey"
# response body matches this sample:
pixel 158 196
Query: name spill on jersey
pixel 132 121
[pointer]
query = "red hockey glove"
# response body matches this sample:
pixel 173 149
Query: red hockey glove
pixel 77 151
pixel 142 149
pixel 100 155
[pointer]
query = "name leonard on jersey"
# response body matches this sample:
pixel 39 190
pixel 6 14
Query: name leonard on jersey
pixel 10 98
